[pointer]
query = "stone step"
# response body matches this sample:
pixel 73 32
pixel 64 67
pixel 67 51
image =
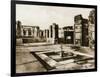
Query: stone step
pixel 47 62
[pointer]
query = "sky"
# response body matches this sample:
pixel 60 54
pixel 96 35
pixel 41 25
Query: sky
pixel 44 16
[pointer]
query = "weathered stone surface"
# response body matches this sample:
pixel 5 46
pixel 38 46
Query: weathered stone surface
pixel 30 67
pixel 48 60
pixel 24 57
pixel 66 61
pixel 26 62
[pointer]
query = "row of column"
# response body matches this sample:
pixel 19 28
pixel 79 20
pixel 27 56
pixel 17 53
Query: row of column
pixel 30 32
pixel 52 32
pixel 22 30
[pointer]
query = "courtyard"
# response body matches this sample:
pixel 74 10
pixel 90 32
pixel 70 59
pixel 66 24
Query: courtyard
pixel 43 57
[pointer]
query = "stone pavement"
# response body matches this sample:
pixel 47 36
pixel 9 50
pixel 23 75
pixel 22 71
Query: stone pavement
pixel 64 64
pixel 26 62
pixel 83 51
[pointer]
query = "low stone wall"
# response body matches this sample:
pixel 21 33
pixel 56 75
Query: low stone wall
pixel 33 40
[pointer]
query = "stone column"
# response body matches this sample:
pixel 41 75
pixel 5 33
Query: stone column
pixel 31 31
pixel 18 26
pixel 43 33
pixel 50 32
pixel 35 32
pixel 40 33
pixel 27 32
pixel 53 31
pixel 47 33
pixel 22 32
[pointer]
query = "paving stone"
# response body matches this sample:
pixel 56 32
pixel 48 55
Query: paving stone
pixel 70 66
pixel 24 57
pixel 30 67
pixel 26 62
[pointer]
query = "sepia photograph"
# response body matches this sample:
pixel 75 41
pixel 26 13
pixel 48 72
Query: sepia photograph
pixel 54 38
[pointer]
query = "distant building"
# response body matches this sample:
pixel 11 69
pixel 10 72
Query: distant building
pixel 53 34
pixel 68 35
pixel 18 28
pixel 81 31
pixel 26 31
pixel 28 34
pixel 81 34
pixel 91 27
pixel 30 31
